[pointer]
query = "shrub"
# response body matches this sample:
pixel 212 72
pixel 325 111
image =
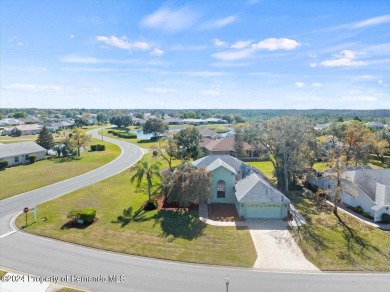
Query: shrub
pixel 98 147
pixel 358 209
pixel 386 218
pixel 155 152
pixel 130 135
pixel 32 158
pixel 87 215
pixel 150 205
pixel 3 164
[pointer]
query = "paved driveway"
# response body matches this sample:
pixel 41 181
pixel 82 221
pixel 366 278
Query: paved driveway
pixel 275 246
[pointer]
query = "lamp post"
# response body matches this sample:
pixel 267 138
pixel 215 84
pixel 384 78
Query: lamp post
pixel 227 281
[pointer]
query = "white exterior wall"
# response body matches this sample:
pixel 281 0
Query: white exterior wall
pixel 23 159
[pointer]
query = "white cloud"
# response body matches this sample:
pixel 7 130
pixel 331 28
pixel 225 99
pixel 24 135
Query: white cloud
pixel 170 20
pixel 241 45
pixel 313 65
pixel 220 22
pixel 373 21
pixel 219 43
pixel 158 90
pixel 123 43
pixel 234 55
pixel 299 84
pixel 31 87
pixel 157 52
pixel 72 36
pixel 317 84
pixel 344 59
pixel 273 44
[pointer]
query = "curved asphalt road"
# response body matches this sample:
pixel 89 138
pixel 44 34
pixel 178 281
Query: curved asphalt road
pixel 50 258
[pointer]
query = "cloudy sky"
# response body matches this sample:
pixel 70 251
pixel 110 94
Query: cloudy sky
pixel 195 54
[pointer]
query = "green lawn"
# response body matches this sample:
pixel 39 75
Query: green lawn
pixel 124 227
pixel 334 245
pixel 143 143
pixel 265 167
pixel 23 178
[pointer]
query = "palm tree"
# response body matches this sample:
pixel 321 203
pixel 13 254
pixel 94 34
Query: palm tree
pixel 144 169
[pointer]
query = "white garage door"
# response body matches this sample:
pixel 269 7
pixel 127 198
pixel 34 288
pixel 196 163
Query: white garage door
pixel 263 211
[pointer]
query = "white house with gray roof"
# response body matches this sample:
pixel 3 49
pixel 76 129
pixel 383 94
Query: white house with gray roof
pixel 19 153
pixel 235 182
pixel 363 186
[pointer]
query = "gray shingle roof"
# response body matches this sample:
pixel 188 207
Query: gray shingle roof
pixel 367 180
pixel 22 148
pixel 240 167
pixel 254 189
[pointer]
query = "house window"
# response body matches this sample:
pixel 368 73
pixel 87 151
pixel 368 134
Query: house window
pixel 221 187
pixel 16 159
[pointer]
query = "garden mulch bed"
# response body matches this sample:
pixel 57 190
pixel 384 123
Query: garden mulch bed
pixel 73 224
pixel 163 205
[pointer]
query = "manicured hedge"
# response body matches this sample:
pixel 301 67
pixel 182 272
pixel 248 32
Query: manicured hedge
pixel 98 147
pixel 3 164
pixel 130 135
pixel 385 218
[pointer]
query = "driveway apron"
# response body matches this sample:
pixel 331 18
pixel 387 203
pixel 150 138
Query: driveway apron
pixel 275 246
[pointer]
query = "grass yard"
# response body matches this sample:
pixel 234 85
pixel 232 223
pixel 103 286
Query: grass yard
pixel 334 245
pixel 141 142
pixel 265 167
pixel 123 227
pixel 23 178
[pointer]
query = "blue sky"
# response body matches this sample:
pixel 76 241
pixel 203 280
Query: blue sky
pixel 195 54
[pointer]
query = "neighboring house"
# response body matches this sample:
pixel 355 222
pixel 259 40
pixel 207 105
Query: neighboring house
pixel 10 122
pixel 319 127
pixel 54 126
pixel 30 120
pixel 375 125
pixel 223 146
pixel 26 129
pixel 235 182
pixel 216 121
pixel 173 121
pixel 195 122
pixel 18 153
pixel 207 133
pixel 364 186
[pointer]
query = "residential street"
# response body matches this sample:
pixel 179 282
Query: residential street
pixel 50 258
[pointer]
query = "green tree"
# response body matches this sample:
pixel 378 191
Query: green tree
pixel 81 122
pixel 145 170
pixel 79 139
pixel 155 127
pixel 187 185
pixel 101 118
pixel 20 115
pixel 238 142
pixel 187 141
pixel 167 151
pixel 291 145
pixel 45 139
